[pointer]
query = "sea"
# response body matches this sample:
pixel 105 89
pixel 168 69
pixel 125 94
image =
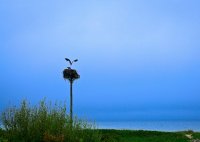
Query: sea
pixel 170 126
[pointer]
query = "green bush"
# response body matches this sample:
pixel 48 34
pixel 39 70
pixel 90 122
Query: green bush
pixel 45 123
pixel 2 135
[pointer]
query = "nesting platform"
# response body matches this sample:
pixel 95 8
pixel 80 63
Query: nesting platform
pixel 70 74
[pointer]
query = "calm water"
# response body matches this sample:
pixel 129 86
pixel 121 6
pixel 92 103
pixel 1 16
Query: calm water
pixel 152 125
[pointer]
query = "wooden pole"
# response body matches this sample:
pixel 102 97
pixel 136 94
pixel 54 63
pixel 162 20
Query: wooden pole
pixel 71 103
pixel 71 75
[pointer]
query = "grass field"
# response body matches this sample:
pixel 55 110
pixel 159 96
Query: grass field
pixel 146 136
pixel 110 135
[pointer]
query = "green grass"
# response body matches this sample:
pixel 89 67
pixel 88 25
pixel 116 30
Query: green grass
pixel 110 135
pixel 145 136
pixel 45 122
pixel 196 135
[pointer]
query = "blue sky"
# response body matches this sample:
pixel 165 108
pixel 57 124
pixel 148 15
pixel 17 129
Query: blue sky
pixel 137 59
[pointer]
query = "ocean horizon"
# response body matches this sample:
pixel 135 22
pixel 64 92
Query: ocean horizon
pixel 171 126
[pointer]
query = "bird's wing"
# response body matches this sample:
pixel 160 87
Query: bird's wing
pixel 68 61
pixel 76 60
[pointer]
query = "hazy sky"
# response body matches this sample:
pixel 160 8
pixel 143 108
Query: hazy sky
pixel 138 59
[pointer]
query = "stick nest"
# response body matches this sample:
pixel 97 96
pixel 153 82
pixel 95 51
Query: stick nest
pixel 70 74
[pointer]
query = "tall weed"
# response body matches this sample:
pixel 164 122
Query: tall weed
pixel 45 123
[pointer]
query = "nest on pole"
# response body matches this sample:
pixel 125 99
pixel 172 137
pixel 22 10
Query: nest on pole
pixel 70 74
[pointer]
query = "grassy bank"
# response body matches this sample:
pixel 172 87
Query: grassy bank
pixel 146 136
pixel 109 135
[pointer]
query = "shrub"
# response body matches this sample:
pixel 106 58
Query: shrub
pixel 45 123
pixel 2 135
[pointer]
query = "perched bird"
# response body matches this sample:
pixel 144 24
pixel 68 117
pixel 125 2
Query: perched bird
pixel 71 62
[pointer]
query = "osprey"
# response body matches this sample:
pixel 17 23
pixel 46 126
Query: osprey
pixel 71 62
